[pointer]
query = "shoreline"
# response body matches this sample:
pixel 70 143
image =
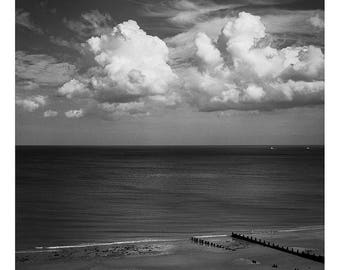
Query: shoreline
pixel 118 254
pixel 265 232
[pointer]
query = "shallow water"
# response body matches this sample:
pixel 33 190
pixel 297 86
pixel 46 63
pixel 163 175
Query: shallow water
pixel 73 195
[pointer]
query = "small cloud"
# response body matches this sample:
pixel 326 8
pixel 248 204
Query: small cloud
pixel 23 18
pixel 90 23
pixel 254 93
pixel 74 113
pixel 32 103
pixel 27 85
pixel 184 12
pixel 50 113
pixel 67 43
pixel 123 108
pixel 42 69
pixel 317 21
pixel 74 88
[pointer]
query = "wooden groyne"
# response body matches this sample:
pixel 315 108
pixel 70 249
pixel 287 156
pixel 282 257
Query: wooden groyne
pixel 204 242
pixel 307 255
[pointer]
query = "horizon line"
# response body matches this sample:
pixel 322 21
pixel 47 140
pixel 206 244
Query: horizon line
pixel 133 145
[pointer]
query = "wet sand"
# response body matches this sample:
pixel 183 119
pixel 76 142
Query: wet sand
pixel 184 254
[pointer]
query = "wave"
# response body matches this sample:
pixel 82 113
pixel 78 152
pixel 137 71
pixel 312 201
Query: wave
pixel 304 228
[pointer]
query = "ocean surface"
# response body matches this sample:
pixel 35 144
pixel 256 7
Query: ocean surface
pixel 69 195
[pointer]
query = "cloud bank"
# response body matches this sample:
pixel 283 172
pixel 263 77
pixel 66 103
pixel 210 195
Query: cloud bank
pixel 222 60
pixel 239 70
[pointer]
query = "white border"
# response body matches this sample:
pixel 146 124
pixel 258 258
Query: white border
pixel 7 132
pixel 332 135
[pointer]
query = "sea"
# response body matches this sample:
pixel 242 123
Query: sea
pixel 74 195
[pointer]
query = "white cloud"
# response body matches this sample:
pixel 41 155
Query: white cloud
pixel 299 91
pixel 74 113
pixel 32 103
pixel 283 27
pixel 50 113
pixel 206 50
pixel 254 92
pixel 133 61
pixel 74 88
pixel 118 109
pixel 252 75
pixel 317 21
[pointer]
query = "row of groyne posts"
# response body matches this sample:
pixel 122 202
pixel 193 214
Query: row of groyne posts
pixel 200 241
pixel 307 255
pixel 286 249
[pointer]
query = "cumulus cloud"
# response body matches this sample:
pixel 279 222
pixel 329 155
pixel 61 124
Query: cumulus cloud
pixel 132 68
pixel 253 75
pixel 42 69
pixel 134 62
pixel 74 88
pixel 32 103
pixel 206 51
pixel 74 113
pixel 23 18
pixel 283 28
pixel 50 113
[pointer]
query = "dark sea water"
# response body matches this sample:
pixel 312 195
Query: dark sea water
pixel 72 195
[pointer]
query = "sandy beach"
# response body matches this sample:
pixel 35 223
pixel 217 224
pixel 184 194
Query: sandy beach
pixel 182 253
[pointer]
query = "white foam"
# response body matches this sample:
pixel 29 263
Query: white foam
pixel 34 251
pixel 106 244
pixel 306 228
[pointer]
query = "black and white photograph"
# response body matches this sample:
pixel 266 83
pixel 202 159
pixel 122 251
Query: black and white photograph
pixel 170 134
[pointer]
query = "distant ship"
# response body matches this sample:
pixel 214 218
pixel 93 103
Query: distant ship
pixel 307 147
pixel 272 148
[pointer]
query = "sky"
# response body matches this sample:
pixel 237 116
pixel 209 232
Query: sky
pixel 171 72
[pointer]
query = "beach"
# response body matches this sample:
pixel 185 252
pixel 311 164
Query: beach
pixel 182 253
